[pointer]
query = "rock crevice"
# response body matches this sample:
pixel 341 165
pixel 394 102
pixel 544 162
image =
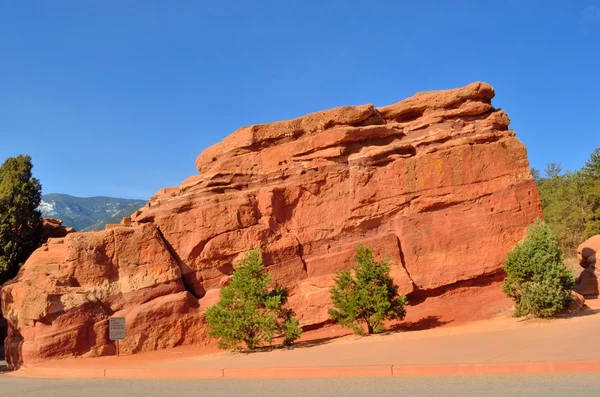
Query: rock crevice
pixel 183 269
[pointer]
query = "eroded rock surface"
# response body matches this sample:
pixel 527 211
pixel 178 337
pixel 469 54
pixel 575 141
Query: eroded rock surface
pixel 60 302
pixel 438 182
pixel 53 228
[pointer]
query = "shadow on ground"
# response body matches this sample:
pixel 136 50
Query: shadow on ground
pixel 419 325
pixel 587 311
pixel 424 323
pixel 297 345
pixel 316 342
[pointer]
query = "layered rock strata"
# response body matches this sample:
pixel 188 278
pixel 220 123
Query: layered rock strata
pixel 437 182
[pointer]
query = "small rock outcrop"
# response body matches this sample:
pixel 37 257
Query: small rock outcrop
pixel 577 304
pixel 587 253
pixel 60 302
pixel 53 228
pixel 438 182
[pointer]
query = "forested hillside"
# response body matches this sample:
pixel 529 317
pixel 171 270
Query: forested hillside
pixel 571 201
pixel 87 213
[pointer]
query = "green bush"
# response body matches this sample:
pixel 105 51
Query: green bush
pixel 251 312
pixel 536 276
pixel 366 294
pixel 20 221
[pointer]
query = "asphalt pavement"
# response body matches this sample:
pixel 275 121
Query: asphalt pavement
pixel 3 365
pixel 580 385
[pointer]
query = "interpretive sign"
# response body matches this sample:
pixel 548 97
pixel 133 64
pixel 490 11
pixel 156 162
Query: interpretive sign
pixel 116 328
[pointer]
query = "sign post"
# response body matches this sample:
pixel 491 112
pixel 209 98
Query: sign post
pixel 116 330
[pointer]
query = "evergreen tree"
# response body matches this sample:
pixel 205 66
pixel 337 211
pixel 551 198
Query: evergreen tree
pixel 553 170
pixel 592 166
pixel 591 179
pixel 249 311
pixel 366 294
pixel 20 221
pixel 571 202
pixel 564 208
pixel 536 175
pixel 536 277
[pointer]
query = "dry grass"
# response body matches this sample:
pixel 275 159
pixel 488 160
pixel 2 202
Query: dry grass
pixel 573 264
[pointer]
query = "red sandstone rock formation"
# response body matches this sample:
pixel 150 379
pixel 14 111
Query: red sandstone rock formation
pixel 53 228
pixel 60 302
pixel 587 253
pixel 577 305
pixel 438 182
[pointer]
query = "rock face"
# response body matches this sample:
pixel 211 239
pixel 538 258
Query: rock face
pixel 587 284
pixel 438 182
pixel 578 303
pixel 53 228
pixel 60 302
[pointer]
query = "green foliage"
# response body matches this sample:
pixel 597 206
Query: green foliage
pixel 553 169
pixel 536 175
pixel 564 208
pixel 536 277
pixel 571 202
pixel 20 222
pixel 290 327
pixel 251 312
pixel 366 294
pixel 591 195
pixel 592 166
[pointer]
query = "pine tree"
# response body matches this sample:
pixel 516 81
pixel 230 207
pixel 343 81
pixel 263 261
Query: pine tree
pixel 366 294
pixel 249 311
pixel 571 202
pixel 20 221
pixel 591 179
pixel 565 209
pixel 536 277
pixel 537 177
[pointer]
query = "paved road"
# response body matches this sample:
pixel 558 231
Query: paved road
pixel 491 386
pixel 2 358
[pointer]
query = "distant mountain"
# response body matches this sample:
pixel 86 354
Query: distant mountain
pixel 87 213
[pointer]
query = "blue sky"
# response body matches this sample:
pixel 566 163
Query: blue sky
pixel 118 98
